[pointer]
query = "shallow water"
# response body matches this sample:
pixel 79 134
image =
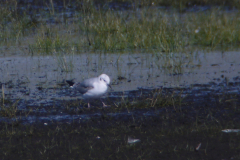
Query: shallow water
pixel 40 80
pixel 127 71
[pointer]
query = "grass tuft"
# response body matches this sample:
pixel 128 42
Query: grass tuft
pixel 7 108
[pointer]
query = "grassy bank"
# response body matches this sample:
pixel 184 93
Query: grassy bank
pixel 103 29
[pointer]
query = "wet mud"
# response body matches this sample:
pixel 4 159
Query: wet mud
pixel 170 132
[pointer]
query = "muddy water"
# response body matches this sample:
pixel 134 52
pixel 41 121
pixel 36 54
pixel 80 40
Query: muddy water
pixel 40 80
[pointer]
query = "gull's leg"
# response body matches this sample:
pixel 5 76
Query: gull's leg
pixel 104 105
pixel 89 105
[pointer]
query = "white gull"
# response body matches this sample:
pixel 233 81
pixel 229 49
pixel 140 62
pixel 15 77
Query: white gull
pixel 92 87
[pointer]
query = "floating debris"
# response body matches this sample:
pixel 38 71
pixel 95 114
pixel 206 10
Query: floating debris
pixel 198 146
pixel 132 140
pixel 230 100
pixel 121 78
pixel 98 137
pixel 197 30
pixel 231 130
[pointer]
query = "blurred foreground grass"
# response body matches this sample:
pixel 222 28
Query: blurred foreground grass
pixel 194 132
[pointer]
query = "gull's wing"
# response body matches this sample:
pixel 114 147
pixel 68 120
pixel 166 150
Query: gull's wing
pixel 85 85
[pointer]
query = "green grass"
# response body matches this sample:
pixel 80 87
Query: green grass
pixel 147 29
pixel 217 30
pixel 7 108
pixel 50 41
pixel 153 99
pixel 144 30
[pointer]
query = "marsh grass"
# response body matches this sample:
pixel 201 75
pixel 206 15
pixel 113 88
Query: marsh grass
pixel 155 99
pixel 217 30
pixel 49 40
pixel 64 61
pixel 106 30
pixel 182 5
pixel 7 108
pixel 151 29
pixel 143 29
pixel 15 25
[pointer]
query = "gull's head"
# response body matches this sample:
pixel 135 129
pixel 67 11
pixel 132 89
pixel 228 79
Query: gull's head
pixel 105 78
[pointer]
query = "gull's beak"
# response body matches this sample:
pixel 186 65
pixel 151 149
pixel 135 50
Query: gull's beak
pixel 109 86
